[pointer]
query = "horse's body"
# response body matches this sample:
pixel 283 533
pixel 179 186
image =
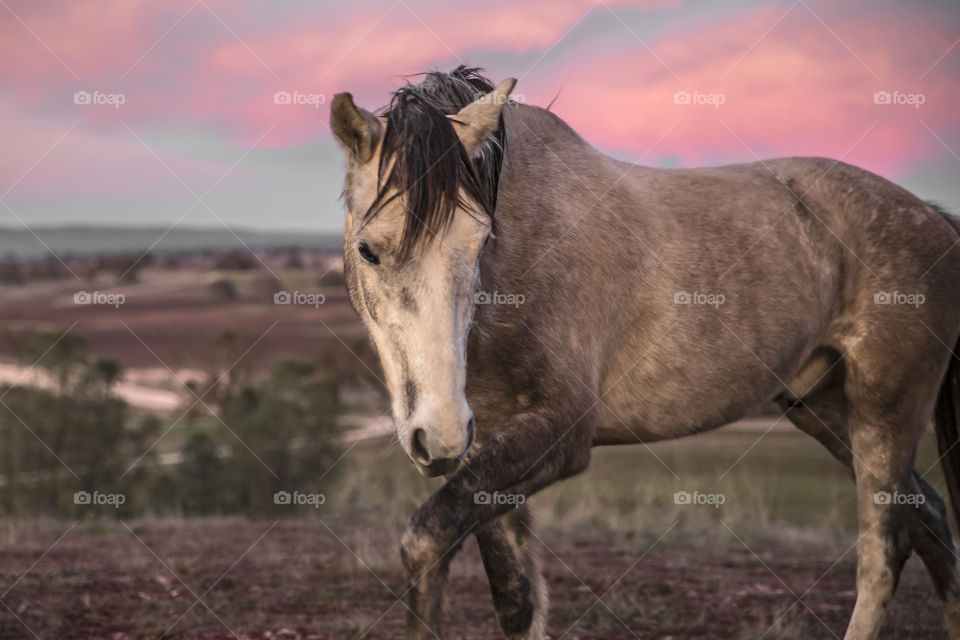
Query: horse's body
pixel 660 303
pixel 599 274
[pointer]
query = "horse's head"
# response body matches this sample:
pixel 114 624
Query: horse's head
pixel 420 192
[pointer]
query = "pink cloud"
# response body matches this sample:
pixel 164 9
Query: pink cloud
pixel 44 160
pixel 90 37
pixel 799 91
pixel 223 75
pixel 350 54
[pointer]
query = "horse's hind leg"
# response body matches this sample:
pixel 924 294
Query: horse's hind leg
pixel 512 563
pixel 890 385
pixel 881 458
pixel 824 415
pixel 883 454
pixel 930 535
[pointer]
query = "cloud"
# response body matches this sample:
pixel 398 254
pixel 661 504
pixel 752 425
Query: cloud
pixel 45 160
pixel 219 64
pixel 799 91
pixel 790 84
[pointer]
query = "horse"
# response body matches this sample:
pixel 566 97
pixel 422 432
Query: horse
pixel 530 298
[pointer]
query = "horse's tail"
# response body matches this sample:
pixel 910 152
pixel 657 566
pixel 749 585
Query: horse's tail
pixel 947 414
pixel 947 420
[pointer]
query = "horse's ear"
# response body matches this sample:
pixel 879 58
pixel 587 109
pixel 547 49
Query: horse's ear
pixel 357 130
pixel 476 121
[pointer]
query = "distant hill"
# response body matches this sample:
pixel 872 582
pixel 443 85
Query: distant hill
pixel 68 241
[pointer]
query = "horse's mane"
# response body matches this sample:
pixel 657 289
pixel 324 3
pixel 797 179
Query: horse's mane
pixel 429 165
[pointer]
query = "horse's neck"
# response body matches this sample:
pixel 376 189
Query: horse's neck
pixel 532 200
pixel 543 156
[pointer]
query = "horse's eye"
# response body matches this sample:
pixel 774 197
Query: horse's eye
pixel 367 254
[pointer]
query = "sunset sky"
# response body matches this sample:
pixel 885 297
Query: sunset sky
pixel 182 126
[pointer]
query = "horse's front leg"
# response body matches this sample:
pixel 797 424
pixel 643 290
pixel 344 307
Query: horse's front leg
pixel 511 559
pixel 529 453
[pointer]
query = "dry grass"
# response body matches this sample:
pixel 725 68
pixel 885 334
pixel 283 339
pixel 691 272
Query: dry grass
pixel 784 485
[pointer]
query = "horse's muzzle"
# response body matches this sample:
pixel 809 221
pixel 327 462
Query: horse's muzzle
pixel 437 460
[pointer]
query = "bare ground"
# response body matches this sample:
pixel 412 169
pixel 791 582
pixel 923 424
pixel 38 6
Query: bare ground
pixel 314 579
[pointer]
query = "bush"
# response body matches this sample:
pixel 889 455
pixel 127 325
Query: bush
pixel 73 434
pixel 70 435
pixel 279 435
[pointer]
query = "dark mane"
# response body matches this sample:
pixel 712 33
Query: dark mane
pixel 430 166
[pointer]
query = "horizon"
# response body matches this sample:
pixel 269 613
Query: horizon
pixel 95 225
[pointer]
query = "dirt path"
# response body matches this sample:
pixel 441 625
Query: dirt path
pixel 134 393
pixel 298 580
pixel 150 390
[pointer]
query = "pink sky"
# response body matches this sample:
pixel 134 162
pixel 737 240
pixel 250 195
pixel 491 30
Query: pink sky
pixel 198 80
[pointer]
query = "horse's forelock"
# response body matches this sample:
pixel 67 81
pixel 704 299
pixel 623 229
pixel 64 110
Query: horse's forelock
pixel 423 162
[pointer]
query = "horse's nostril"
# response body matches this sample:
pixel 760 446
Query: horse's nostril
pixel 471 434
pixel 418 445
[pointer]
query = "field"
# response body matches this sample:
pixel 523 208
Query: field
pixel 622 560
pixel 172 318
pixel 775 560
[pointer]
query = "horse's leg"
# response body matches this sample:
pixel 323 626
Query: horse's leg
pixel 891 385
pixel 880 454
pixel 512 562
pixel 526 455
pixel 883 453
pixel 930 535
pixel 878 464
pixel 824 416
